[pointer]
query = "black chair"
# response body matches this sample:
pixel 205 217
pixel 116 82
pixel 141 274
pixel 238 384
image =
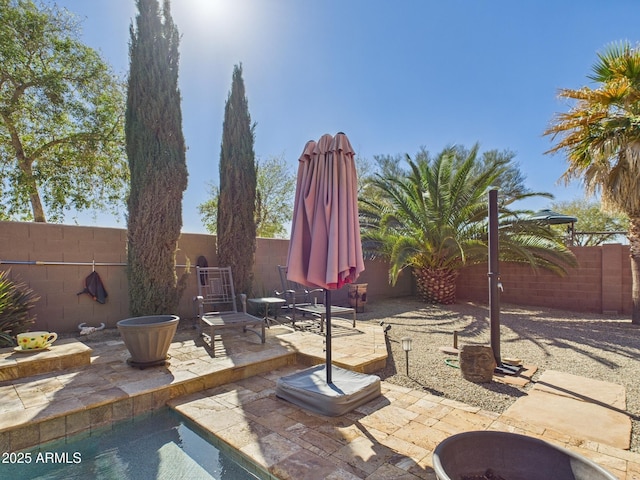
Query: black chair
pixel 296 294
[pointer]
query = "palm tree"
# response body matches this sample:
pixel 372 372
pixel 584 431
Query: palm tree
pixel 600 136
pixel 434 219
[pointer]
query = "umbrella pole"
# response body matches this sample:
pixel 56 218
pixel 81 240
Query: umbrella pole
pixel 327 305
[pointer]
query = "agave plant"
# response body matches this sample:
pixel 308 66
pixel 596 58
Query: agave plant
pixel 434 220
pixel 16 302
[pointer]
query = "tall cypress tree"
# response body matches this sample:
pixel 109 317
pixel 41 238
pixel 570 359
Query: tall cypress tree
pixel 236 226
pixel 156 153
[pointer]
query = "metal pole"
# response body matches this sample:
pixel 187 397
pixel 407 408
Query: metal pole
pixel 406 354
pixel 74 264
pixel 494 275
pixel 327 317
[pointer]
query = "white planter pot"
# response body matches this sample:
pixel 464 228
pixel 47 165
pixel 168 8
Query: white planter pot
pixel 148 338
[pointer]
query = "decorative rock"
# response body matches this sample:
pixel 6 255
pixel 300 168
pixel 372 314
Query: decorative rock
pixel 477 363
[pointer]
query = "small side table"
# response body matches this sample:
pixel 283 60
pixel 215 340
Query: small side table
pixel 266 301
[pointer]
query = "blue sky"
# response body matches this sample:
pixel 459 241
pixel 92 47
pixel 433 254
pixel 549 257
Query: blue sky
pixel 393 75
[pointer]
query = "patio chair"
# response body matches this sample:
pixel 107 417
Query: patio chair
pixel 296 294
pixel 216 292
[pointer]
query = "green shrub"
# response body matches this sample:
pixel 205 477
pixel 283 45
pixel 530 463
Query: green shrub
pixel 16 302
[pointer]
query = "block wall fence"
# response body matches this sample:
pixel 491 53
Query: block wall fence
pixel 601 283
pixel 60 309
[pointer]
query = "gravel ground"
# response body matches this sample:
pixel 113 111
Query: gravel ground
pixel 601 347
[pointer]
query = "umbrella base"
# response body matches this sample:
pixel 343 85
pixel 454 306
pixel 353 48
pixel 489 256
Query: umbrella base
pixel 309 389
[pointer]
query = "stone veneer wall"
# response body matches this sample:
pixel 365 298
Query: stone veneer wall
pixel 60 309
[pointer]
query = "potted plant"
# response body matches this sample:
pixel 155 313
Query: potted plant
pixel 157 163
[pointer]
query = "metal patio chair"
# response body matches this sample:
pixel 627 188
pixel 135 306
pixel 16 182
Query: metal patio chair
pixel 296 294
pixel 216 292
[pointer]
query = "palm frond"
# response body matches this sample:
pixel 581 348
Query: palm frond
pixel 600 134
pixel 435 217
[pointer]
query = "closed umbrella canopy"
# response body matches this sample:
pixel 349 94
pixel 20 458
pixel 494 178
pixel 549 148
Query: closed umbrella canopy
pixel 325 250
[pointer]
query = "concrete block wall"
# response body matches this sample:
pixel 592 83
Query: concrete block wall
pixel 601 283
pixel 60 309
pixel 58 285
pixel 376 276
pixel 43 246
pixel 273 252
pixel 270 252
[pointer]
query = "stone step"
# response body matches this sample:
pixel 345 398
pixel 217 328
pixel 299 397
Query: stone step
pixel 63 354
pixel 578 406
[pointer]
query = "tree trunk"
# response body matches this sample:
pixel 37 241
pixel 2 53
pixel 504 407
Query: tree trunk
pixel 436 285
pixel 25 165
pixel 634 249
pixel 36 207
pixel 34 196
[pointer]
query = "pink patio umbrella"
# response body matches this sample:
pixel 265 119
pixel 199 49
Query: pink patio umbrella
pixel 325 250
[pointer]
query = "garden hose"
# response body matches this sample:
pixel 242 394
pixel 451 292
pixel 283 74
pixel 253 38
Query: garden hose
pixel 452 362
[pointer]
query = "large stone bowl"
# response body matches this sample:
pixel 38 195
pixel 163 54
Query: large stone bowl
pixel 487 454
pixel 148 338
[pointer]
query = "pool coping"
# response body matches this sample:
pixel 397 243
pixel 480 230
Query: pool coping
pixel 147 390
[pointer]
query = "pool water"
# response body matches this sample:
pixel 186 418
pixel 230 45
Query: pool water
pixel 158 446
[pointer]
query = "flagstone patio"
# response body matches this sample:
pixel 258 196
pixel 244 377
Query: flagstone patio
pixel 232 396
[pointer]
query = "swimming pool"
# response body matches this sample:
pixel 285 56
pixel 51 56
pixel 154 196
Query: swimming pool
pixel 158 446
